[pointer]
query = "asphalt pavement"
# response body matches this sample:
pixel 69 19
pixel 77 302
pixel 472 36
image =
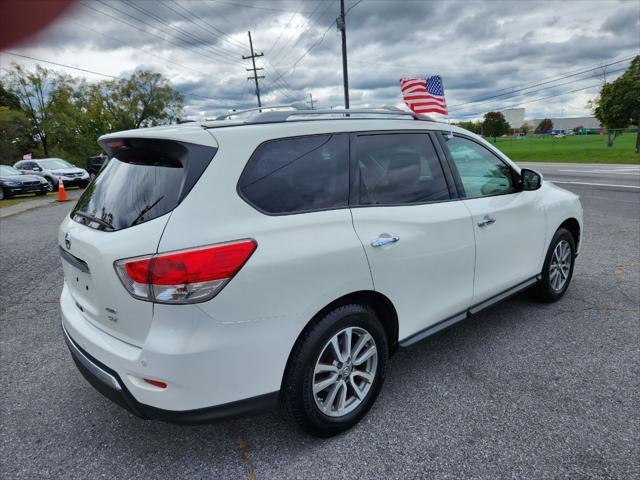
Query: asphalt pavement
pixel 524 390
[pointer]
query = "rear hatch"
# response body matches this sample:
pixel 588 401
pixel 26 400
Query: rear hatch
pixel 122 214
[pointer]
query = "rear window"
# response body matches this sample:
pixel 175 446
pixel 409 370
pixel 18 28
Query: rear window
pixel 299 174
pixel 144 180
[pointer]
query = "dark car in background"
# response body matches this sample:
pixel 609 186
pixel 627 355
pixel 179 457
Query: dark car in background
pixel 94 164
pixel 14 182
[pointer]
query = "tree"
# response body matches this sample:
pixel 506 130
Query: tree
pixel 36 93
pixel 494 125
pixel 142 100
pixel 66 116
pixel 619 103
pixel 544 126
pixel 525 128
pixel 15 135
pixel 474 127
pixel 8 99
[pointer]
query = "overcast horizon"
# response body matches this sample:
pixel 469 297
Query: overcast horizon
pixel 481 49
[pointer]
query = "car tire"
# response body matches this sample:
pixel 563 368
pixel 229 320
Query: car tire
pixel 53 186
pixel 328 411
pixel 4 195
pixel 558 267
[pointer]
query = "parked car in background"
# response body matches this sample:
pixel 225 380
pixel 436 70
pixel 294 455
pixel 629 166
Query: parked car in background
pixel 94 164
pixel 14 182
pixel 51 169
pixel 217 269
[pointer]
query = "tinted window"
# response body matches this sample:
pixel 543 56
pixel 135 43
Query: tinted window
pixel 298 174
pixel 482 173
pixel 144 180
pixel 399 168
pixel 54 163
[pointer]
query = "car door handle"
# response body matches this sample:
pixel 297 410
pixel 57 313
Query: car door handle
pixel 385 239
pixel 486 221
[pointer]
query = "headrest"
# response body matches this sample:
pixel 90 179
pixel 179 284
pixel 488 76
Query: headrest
pixel 404 169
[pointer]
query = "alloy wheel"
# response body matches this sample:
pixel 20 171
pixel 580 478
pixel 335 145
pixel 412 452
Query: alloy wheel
pixel 560 265
pixel 345 371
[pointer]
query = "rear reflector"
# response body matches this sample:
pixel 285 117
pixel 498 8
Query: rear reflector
pixel 187 276
pixel 155 383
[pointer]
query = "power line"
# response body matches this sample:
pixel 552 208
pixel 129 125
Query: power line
pixel 190 38
pixel 534 100
pixel 541 89
pixel 277 56
pixel 223 34
pixel 286 26
pixel 92 72
pixel 137 27
pixel 510 93
pixel 144 51
pixel 243 5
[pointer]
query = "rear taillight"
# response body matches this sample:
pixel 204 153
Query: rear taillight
pixel 186 276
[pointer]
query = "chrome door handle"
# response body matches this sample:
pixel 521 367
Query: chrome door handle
pixel 384 239
pixel 486 221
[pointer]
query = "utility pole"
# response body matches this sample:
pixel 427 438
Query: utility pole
pixel 255 76
pixel 311 99
pixel 342 26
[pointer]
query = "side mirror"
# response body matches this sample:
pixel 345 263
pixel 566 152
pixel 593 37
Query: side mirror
pixel 530 179
pixel 36 169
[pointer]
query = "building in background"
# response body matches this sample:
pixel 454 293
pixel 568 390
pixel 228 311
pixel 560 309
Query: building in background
pixel 515 117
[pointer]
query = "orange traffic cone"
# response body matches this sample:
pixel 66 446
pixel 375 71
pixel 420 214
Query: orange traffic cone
pixel 62 194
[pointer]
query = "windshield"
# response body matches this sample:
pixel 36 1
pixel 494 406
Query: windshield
pixel 142 181
pixel 53 163
pixel 7 171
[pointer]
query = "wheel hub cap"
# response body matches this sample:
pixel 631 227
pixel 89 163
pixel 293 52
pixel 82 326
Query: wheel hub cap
pixel 345 371
pixel 560 266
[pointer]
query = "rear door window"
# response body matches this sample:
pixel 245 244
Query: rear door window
pixel 299 174
pixel 144 180
pixel 399 168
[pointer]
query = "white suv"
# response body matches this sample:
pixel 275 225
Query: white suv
pixel 217 269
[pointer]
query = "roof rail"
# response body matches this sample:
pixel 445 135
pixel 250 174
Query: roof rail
pixel 284 115
pixel 297 106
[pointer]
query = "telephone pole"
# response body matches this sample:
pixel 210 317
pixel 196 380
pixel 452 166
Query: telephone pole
pixel 342 26
pixel 311 99
pixel 255 76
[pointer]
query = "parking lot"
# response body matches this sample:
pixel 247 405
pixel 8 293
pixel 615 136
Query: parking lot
pixel 522 390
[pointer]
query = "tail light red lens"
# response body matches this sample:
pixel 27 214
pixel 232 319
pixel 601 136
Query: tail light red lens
pixel 187 276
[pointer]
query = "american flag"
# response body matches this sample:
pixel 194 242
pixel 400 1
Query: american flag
pixel 424 95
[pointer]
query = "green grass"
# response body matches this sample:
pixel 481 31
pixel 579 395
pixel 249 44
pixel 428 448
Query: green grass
pixel 574 149
pixel 16 200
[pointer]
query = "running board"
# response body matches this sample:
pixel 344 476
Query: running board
pixel 427 332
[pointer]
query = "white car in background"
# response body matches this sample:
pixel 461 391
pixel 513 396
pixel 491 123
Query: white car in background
pixel 218 269
pixel 52 169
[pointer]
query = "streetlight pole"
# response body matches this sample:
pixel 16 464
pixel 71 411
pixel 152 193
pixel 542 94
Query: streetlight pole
pixel 342 26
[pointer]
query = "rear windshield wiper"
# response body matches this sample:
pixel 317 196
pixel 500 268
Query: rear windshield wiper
pixel 144 211
pixel 99 221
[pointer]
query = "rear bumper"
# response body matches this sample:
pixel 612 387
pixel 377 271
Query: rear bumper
pixel 107 382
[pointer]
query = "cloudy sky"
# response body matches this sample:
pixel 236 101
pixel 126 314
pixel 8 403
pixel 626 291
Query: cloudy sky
pixel 514 52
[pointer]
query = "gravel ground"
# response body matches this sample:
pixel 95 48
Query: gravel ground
pixel 521 391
